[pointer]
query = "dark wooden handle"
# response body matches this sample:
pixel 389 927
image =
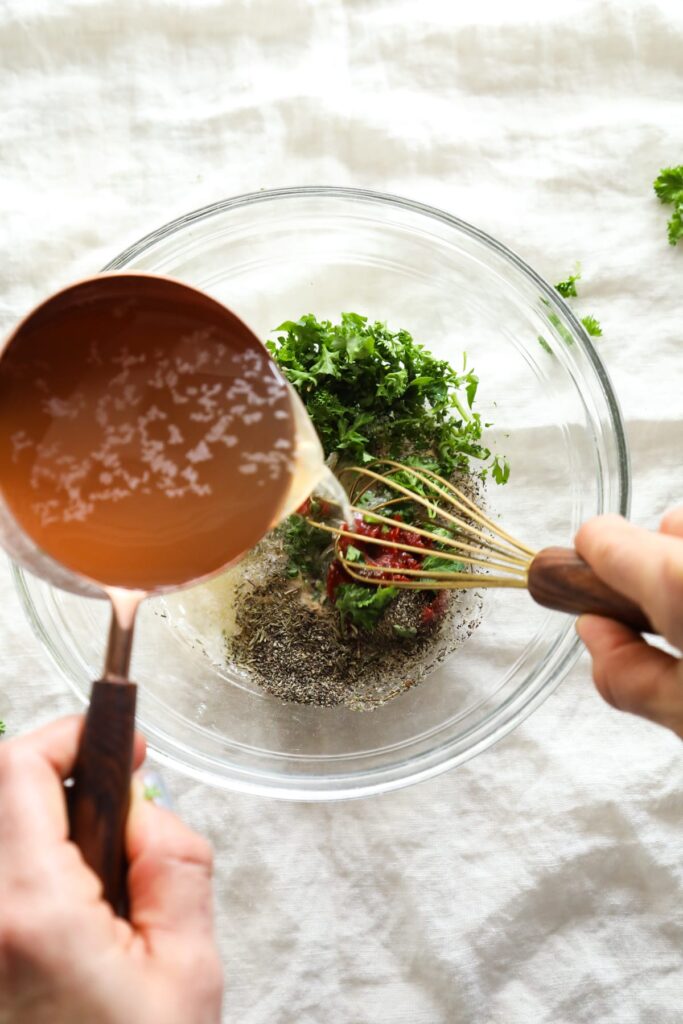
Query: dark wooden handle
pixel 99 798
pixel 560 579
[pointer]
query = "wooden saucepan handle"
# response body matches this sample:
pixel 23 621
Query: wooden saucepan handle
pixel 560 579
pixel 100 796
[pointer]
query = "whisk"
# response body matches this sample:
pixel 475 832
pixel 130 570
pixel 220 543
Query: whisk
pixel 414 513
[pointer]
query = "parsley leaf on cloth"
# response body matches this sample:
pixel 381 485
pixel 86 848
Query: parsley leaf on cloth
pixel 669 188
pixel 567 289
pixel 592 326
pixel 669 184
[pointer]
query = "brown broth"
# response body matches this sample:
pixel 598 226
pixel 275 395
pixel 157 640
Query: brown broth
pixel 146 438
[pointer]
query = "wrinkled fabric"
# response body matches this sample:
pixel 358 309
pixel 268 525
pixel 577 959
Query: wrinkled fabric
pixel 541 882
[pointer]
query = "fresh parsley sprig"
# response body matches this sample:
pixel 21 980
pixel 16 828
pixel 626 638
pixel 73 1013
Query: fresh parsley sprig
pixel 592 326
pixel 567 289
pixel 668 186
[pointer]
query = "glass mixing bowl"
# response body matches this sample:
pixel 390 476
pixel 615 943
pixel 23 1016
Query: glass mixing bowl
pixel 272 256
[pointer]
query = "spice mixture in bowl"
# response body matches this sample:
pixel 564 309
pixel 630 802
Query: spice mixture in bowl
pixel 286 677
pixel 320 611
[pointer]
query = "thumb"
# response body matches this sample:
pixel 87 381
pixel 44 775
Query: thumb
pixel 169 879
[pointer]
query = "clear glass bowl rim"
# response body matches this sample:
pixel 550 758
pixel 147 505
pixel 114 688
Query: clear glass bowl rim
pixel 445 758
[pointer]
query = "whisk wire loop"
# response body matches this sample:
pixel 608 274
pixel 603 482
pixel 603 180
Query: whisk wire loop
pixel 479 542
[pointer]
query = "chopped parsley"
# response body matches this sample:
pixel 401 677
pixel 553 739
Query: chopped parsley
pixel 563 331
pixel 362 606
pixel 151 792
pixel 592 326
pixel 371 391
pixel 304 545
pixel 668 186
pixel 500 470
pixel 567 289
pixel 3 728
pixel 436 563
pixel 354 554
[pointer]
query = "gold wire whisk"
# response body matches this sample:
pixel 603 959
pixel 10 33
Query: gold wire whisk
pixel 470 538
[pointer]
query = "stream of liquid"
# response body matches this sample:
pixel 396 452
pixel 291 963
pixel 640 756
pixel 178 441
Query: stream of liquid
pixel 146 437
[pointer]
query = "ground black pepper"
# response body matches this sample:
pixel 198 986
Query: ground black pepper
pixel 291 644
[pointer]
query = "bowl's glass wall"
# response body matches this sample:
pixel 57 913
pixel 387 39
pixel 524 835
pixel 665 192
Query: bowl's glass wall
pixel 272 257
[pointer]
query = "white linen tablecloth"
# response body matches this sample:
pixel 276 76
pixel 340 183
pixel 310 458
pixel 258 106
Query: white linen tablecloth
pixel 541 882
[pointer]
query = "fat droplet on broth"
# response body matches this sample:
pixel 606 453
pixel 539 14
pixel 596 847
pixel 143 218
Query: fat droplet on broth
pixel 133 429
pixel 146 438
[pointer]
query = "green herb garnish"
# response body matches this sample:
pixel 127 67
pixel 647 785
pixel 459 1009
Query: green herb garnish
pixel 669 188
pixel 592 326
pixel 362 606
pixel 563 331
pixel 500 470
pixel 370 391
pixel 408 509
pixel 354 554
pixel 304 545
pixel 375 393
pixel 567 289
pixel 3 728
pixel 435 563
pixel 151 792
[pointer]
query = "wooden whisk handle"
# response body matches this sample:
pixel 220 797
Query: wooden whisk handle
pixel 98 801
pixel 560 579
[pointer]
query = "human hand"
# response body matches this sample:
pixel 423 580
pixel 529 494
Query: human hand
pixel 647 567
pixel 64 955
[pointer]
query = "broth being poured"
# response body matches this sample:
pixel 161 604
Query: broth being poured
pixel 147 441
pixel 146 438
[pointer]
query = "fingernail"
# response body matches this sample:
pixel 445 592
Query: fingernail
pixel 155 789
